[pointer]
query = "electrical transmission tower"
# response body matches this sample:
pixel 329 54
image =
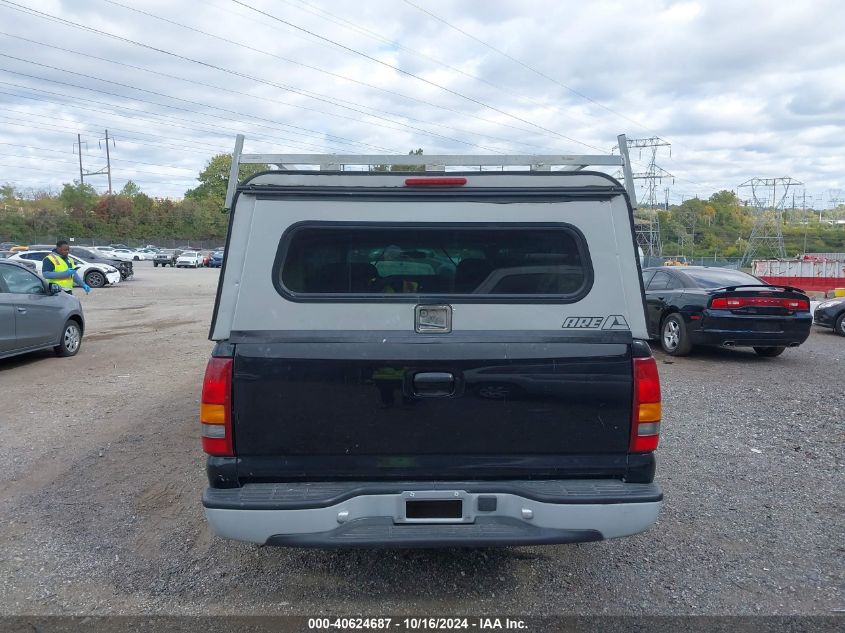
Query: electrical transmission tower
pixel 105 170
pixel 834 196
pixel 766 241
pixel 647 224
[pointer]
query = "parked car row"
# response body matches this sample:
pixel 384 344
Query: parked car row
pixel 190 258
pixel 94 273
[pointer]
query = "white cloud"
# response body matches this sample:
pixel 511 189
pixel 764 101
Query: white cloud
pixel 741 89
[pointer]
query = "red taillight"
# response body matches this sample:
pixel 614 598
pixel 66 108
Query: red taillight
pixel 645 424
pixel 216 408
pixel 435 182
pixel 733 303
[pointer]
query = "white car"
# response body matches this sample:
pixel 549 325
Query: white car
pixel 189 259
pixel 123 254
pixel 95 275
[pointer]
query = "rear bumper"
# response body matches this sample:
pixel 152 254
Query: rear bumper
pixel 722 328
pixel 356 514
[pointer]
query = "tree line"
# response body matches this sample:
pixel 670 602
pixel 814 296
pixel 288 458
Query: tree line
pixel 718 226
pixel 78 210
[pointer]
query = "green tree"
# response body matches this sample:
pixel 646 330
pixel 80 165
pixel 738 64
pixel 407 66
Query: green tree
pixel 130 190
pixel 413 152
pixel 79 198
pixel 214 179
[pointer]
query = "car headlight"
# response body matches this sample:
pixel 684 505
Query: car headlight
pixel 831 303
pixel 111 269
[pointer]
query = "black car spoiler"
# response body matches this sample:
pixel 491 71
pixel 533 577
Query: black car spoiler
pixel 732 288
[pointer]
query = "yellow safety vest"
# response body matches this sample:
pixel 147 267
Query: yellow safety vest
pixel 60 265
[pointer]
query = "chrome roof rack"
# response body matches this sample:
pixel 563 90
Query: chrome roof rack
pixel 434 163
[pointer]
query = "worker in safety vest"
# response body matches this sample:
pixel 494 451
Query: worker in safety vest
pixel 59 268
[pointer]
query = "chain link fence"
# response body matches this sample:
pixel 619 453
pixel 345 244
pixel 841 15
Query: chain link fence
pixel 104 241
pixel 693 261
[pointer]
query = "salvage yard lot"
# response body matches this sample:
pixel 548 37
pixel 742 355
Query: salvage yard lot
pixel 100 492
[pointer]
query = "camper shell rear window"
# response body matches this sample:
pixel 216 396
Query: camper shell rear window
pixel 319 261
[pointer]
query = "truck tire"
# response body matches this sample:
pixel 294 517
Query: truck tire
pixel 155 264
pixel 673 336
pixel 769 352
pixel 95 279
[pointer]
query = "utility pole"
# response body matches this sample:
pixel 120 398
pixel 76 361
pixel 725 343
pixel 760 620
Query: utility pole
pixel 105 170
pixel 108 160
pixel 806 221
pixel 78 148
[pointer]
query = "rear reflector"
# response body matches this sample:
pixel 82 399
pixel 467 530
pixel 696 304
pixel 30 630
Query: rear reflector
pixel 216 408
pixel 645 423
pixel 435 182
pixel 214 431
pixel 733 303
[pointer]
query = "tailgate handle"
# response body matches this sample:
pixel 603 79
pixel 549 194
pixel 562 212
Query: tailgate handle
pixel 434 384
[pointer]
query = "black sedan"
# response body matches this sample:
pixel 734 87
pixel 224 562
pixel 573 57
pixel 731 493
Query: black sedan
pixel 831 313
pixel 692 305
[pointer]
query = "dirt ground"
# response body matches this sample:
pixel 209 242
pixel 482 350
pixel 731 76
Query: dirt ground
pixel 100 492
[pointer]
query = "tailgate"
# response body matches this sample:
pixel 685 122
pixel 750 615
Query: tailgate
pixel 397 397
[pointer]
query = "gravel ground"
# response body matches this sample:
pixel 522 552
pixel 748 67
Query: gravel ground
pixel 100 511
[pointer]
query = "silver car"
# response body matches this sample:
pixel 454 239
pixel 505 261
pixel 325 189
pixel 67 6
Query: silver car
pixel 35 314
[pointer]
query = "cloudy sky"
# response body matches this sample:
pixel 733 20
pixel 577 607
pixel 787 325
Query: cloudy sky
pixel 740 89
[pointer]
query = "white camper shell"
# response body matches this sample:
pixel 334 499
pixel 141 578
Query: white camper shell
pixel 455 357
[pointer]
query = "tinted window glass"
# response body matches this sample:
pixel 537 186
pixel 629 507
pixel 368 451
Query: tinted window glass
pixel 391 260
pixel 661 281
pixel 721 278
pixel 20 281
pixel 36 257
pixel 647 275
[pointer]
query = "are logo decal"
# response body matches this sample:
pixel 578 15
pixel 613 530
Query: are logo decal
pixel 612 322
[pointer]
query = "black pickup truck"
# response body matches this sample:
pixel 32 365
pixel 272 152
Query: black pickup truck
pixel 426 361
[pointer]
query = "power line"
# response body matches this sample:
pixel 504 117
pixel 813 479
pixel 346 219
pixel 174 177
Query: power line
pixel 193 81
pixel 165 118
pixel 276 102
pixel 49 17
pixel 320 70
pixel 165 105
pixel 73 162
pixel 88 127
pixel 114 160
pixel 410 74
pixel 330 17
pixel 526 66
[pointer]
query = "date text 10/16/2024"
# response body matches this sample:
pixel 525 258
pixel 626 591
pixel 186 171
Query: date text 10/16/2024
pixel 416 624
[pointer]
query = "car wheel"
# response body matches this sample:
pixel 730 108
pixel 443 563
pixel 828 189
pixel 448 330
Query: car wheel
pixel 155 264
pixel 673 336
pixel 71 339
pixel 95 279
pixel 769 352
pixel 839 326
pixel 136 258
